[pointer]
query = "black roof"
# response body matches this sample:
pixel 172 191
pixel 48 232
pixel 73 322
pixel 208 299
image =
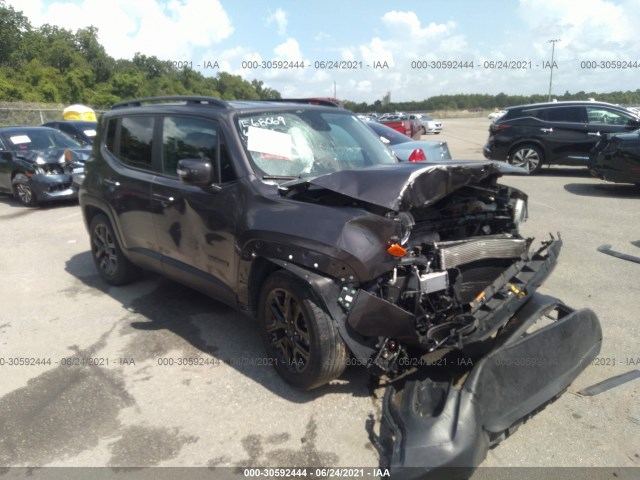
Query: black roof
pixel 179 100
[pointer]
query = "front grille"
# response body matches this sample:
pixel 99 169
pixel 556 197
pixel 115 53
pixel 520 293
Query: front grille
pixel 459 252
pixel 60 187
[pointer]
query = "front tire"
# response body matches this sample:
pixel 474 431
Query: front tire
pixel 302 341
pixel 529 157
pixel 111 263
pixel 22 190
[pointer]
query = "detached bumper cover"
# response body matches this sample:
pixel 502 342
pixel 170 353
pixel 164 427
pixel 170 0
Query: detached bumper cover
pixel 437 429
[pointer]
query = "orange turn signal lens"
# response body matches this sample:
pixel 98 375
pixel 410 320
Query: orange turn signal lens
pixel 396 250
pixel 67 155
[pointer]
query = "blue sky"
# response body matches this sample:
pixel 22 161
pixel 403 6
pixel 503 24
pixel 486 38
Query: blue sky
pixel 513 32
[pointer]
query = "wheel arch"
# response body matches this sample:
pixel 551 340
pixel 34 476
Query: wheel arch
pixel 262 267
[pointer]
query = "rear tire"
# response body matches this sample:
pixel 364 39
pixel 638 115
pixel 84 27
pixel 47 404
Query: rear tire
pixel 111 263
pixel 22 190
pixel 302 341
pixel 528 156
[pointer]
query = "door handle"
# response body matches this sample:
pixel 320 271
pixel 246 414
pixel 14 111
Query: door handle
pixel 165 200
pixel 113 183
pixel 546 130
pixel 596 134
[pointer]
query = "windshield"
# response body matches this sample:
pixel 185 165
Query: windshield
pixel 37 139
pixel 301 143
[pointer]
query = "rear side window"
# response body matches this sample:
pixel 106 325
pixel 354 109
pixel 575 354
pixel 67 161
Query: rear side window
pixel 566 114
pixel 136 135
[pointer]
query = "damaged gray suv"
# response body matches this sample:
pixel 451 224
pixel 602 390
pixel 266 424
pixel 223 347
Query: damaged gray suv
pixel 295 212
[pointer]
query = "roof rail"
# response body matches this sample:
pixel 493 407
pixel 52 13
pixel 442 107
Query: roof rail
pixel 326 102
pixel 216 102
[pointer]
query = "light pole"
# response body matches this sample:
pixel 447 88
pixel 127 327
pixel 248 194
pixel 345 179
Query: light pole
pixel 553 47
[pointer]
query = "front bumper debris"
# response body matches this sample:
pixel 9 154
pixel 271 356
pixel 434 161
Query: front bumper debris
pixel 372 316
pixel 53 187
pixel 435 426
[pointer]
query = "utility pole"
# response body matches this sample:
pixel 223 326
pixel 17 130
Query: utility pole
pixel 553 47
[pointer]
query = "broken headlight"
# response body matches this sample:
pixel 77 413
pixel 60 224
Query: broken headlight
pixel 406 224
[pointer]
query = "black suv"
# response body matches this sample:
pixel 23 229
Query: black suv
pixel 299 214
pixel 554 133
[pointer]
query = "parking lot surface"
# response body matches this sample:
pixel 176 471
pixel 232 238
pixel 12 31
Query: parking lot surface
pixel 155 374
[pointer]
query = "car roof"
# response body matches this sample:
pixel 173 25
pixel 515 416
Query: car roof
pixel 181 101
pixel 22 129
pixel 585 103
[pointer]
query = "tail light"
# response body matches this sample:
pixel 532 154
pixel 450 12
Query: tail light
pixel 417 156
pixel 499 127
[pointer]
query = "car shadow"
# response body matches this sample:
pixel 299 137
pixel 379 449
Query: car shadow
pixel 219 332
pixel 10 201
pixel 555 171
pixel 611 190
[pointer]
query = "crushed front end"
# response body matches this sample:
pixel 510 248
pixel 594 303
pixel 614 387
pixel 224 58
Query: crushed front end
pixel 468 347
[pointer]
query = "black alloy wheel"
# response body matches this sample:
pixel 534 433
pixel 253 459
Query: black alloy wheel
pixel 112 265
pixel 302 341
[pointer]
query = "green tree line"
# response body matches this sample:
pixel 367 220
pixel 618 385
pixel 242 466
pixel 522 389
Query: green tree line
pixel 55 65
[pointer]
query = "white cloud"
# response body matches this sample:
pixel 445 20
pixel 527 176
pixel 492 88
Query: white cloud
pixel 279 17
pixel 126 27
pixel 408 24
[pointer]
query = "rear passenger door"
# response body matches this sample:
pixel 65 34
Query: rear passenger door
pixel 125 180
pixel 566 135
pixel 196 226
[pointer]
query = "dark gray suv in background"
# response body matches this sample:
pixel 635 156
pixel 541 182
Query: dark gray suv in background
pixel 560 133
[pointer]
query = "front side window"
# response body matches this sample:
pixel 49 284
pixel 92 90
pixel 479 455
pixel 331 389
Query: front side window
pixel 302 143
pixel 605 116
pixel 193 138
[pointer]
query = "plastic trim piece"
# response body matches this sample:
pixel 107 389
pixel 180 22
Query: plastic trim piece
pixel 434 428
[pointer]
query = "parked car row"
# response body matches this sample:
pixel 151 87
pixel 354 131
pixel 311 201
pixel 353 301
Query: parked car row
pixel 565 133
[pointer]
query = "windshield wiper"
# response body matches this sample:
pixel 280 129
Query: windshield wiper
pixel 281 177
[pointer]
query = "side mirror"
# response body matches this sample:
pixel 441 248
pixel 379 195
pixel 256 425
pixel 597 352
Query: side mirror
pixel 633 123
pixel 195 171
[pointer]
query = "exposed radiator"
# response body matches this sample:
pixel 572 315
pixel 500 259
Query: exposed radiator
pixel 460 252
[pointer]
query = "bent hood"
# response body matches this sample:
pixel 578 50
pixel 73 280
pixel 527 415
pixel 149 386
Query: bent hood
pixel 400 186
pixel 54 155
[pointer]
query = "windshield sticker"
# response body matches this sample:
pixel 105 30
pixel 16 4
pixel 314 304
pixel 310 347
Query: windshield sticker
pixel 90 133
pixel 269 142
pixel 384 140
pixel 261 122
pixel 18 139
